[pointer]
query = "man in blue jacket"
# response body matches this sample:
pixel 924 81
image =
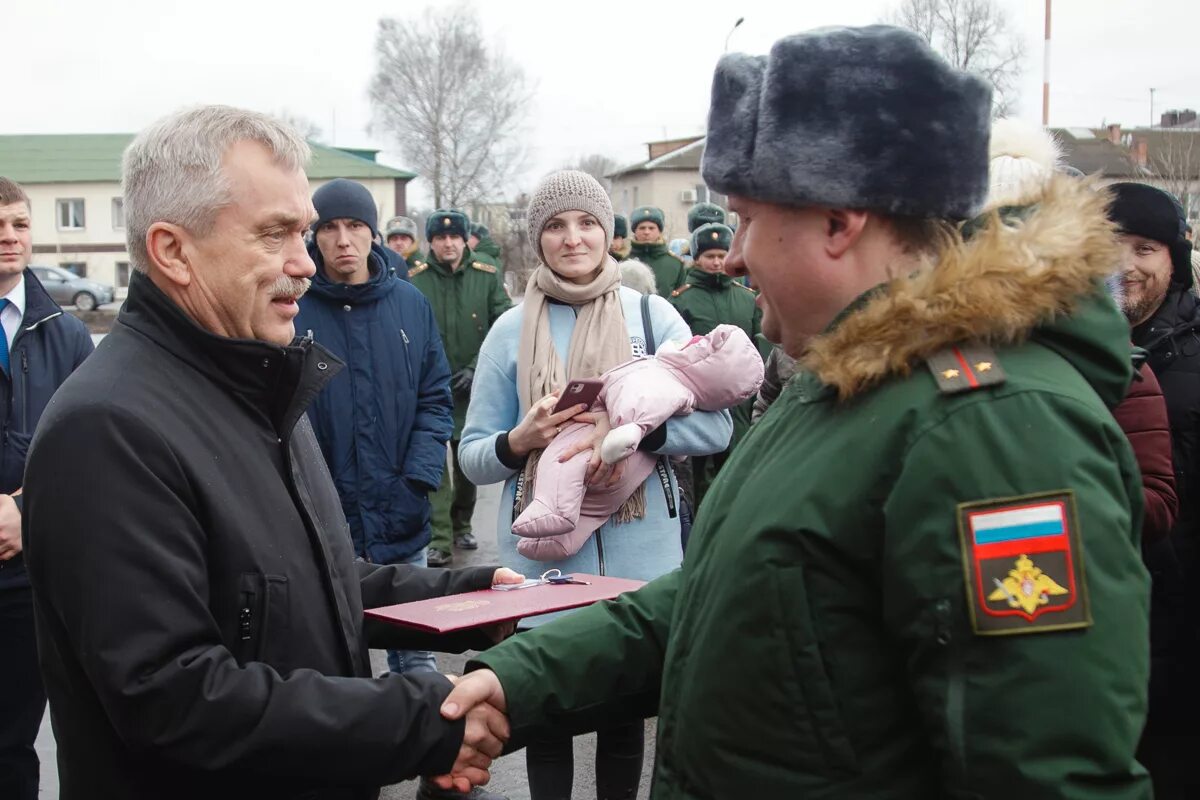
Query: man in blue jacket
pixel 384 421
pixel 40 348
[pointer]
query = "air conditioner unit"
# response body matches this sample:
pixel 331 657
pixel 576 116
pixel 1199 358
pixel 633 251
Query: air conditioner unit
pixel 687 196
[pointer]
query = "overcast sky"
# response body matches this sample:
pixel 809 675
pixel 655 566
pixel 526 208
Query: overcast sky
pixel 610 76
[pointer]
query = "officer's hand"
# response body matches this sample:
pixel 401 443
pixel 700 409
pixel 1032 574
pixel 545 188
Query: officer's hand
pixel 540 425
pixel 462 380
pixel 10 528
pixel 598 473
pixel 479 697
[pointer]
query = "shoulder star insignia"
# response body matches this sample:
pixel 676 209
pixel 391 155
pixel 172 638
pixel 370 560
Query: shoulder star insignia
pixel 950 373
pixel 983 366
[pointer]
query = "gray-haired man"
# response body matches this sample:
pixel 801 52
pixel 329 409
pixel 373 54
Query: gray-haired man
pixel 200 613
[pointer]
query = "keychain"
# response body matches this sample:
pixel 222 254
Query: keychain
pixel 553 577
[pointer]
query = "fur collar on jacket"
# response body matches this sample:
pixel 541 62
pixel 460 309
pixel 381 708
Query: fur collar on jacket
pixel 1011 277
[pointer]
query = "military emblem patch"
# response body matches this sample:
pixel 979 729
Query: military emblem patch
pixel 1023 564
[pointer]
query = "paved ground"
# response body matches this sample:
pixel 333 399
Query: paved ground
pixel 508 773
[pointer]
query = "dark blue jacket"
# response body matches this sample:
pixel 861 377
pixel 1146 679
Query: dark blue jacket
pixel 384 421
pixel 48 347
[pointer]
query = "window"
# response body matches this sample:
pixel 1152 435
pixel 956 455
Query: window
pixel 70 214
pixel 123 274
pixel 77 268
pixel 635 197
pixel 702 194
pixel 118 213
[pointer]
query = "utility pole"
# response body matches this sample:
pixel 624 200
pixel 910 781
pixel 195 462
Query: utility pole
pixel 1151 106
pixel 1046 73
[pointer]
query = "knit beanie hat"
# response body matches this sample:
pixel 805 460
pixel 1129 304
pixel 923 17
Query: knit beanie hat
pixel 1151 213
pixel 1023 159
pixel 647 214
pixel 620 226
pixel 712 236
pixel 345 199
pixel 703 214
pixel 405 226
pixel 447 221
pixel 567 190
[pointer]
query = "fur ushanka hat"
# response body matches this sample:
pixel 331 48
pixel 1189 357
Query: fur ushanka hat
pixel 868 118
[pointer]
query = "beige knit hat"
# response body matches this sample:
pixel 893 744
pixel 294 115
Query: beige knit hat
pixel 567 190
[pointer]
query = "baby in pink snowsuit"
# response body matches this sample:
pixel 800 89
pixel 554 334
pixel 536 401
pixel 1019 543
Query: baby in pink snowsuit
pixel 709 373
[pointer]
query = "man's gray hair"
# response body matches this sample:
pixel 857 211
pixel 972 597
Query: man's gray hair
pixel 172 171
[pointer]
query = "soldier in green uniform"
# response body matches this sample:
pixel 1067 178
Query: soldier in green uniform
pixel 708 299
pixel 400 236
pixel 704 214
pixel 650 248
pixel 485 248
pixel 466 300
pixel 619 249
pixel 919 575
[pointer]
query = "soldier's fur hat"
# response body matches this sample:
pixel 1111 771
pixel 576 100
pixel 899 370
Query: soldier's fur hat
pixel 868 118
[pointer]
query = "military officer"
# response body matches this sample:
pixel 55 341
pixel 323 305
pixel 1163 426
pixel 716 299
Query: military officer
pixel 919 574
pixel 704 214
pixel 485 248
pixel 619 249
pixel 400 236
pixel 650 248
pixel 708 299
pixel 467 299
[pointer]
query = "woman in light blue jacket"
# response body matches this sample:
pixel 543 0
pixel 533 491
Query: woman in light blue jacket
pixel 577 321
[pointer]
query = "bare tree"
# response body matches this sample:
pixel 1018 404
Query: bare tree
pixel 453 105
pixel 1175 161
pixel 973 35
pixel 596 165
pixel 303 125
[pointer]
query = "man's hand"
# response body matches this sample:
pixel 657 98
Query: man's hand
pixel 502 630
pixel 479 697
pixel 10 528
pixel 462 380
pixel 506 575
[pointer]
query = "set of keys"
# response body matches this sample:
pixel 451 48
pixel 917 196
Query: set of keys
pixel 552 577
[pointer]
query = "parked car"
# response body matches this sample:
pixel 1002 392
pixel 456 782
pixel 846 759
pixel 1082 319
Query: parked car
pixel 67 288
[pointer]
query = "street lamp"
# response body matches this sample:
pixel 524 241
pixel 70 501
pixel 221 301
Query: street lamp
pixel 740 20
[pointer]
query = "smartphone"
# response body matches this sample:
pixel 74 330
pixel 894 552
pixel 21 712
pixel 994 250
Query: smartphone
pixel 582 392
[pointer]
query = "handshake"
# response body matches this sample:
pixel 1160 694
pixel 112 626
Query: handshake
pixel 479 697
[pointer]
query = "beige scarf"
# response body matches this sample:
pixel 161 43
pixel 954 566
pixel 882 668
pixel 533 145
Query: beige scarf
pixel 599 342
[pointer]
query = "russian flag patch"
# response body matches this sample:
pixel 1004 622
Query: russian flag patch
pixel 1023 564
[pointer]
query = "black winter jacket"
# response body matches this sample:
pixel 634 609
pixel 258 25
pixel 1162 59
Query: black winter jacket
pixel 1172 338
pixel 48 347
pixel 199 609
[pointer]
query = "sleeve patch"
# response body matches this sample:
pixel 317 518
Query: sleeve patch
pixel 1023 564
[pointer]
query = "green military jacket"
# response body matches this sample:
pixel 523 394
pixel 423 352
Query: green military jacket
pixel 707 300
pixel 919 575
pixel 668 268
pixel 466 302
pixel 489 252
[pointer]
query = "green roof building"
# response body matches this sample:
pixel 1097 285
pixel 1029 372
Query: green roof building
pixel 74 186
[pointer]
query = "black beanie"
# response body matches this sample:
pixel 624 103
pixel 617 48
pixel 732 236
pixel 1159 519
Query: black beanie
pixel 344 199
pixel 1149 212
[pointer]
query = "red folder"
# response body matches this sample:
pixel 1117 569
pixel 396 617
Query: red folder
pixel 489 606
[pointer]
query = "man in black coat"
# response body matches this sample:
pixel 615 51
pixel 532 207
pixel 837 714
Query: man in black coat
pixel 1156 278
pixel 40 348
pixel 199 607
